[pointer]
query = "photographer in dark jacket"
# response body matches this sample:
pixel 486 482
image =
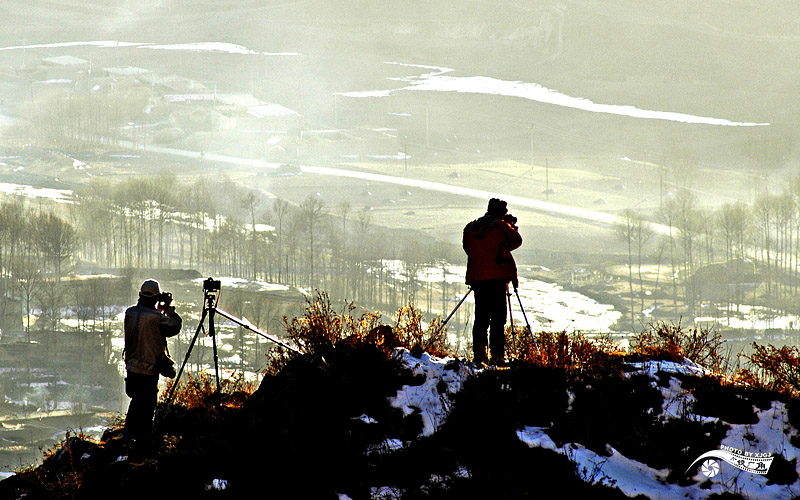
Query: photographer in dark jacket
pixel 488 242
pixel 147 326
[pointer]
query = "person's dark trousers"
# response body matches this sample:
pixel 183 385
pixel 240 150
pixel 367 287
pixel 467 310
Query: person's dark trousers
pixel 143 391
pixel 490 314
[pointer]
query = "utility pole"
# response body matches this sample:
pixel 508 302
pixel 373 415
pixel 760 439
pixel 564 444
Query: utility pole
pixel 335 111
pixel 24 43
pixel 643 177
pixel 405 151
pixel 547 179
pixel 531 145
pixel 427 129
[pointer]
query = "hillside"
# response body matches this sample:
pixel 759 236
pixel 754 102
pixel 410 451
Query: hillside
pixel 726 59
pixel 360 417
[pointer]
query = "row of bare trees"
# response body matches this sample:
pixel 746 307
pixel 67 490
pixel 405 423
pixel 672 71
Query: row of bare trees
pixel 736 246
pixel 34 246
pixel 220 228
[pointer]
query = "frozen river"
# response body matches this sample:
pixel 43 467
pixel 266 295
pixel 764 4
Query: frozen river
pixel 548 306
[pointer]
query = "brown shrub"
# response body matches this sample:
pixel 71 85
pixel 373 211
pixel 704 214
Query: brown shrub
pixel 668 341
pixel 321 329
pixel 413 337
pixel 772 368
pixel 568 351
pixel 199 391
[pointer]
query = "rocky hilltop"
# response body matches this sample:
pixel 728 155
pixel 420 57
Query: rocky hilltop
pixel 381 412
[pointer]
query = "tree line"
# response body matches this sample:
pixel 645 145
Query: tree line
pixel 217 228
pixel 730 255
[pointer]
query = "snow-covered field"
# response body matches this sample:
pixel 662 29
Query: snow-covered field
pixel 437 80
pixel 754 318
pixel 548 307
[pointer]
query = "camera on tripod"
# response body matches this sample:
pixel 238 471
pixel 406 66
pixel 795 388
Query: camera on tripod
pixel 212 285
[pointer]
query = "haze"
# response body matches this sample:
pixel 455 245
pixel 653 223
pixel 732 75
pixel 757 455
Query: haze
pixel 648 149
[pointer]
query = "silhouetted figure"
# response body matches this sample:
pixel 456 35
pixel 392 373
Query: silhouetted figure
pixel 147 326
pixel 488 242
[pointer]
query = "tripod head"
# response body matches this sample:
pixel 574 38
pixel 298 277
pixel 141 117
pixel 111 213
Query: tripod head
pixel 210 285
pixel 211 289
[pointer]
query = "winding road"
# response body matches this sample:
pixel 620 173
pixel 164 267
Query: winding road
pixel 536 205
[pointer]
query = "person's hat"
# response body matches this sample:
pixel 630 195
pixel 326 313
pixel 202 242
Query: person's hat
pixel 497 207
pixel 150 288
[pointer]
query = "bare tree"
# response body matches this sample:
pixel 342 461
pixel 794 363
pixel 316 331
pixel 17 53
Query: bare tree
pixel 281 209
pixel 625 229
pixel 312 210
pixel 642 234
pixel 29 280
pixel 250 202
pixel 56 239
pixel 687 222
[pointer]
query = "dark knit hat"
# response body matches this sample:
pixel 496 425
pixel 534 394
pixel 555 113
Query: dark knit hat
pixel 497 207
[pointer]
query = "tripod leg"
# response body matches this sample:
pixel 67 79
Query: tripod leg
pixel 212 332
pixel 186 358
pixel 510 316
pixel 456 309
pixel 530 332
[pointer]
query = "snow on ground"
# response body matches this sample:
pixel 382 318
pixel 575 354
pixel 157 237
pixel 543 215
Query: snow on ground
pixel 259 285
pixel 753 317
pixel 223 47
pixel 59 195
pixel 438 81
pixel 548 306
pixel 426 399
pixel 687 367
pixel 770 435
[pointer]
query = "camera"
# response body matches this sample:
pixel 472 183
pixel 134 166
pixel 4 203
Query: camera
pixel 510 219
pixel 164 298
pixel 212 285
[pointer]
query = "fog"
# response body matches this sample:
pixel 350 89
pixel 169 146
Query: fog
pixel 649 152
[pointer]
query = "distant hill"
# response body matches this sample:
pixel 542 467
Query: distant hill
pixel 728 59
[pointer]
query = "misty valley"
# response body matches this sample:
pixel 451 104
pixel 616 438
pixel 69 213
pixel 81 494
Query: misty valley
pixel 342 153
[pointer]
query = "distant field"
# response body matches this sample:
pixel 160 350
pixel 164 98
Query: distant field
pixel 731 60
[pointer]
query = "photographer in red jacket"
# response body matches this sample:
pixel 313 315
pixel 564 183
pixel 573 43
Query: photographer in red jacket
pixel 488 242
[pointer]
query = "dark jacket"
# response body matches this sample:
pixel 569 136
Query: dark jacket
pixel 488 242
pixel 146 330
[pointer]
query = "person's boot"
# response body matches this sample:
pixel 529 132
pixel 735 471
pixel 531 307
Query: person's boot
pixel 479 359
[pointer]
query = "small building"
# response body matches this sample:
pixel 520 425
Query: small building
pixel 11 312
pixel 726 281
pixel 63 67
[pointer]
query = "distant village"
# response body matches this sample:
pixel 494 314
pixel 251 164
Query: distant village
pixel 174 107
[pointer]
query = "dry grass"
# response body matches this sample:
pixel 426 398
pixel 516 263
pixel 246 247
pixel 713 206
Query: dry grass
pixel 772 368
pixel 562 350
pixel 673 342
pixel 321 330
pixel 199 391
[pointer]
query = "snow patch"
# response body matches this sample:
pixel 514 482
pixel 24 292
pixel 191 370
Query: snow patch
pixel 217 484
pixel 433 406
pixel 438 81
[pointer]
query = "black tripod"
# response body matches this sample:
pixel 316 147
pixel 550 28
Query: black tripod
pixel 211 292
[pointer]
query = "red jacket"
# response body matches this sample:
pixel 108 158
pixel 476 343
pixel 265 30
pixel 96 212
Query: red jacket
pixel 488 242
